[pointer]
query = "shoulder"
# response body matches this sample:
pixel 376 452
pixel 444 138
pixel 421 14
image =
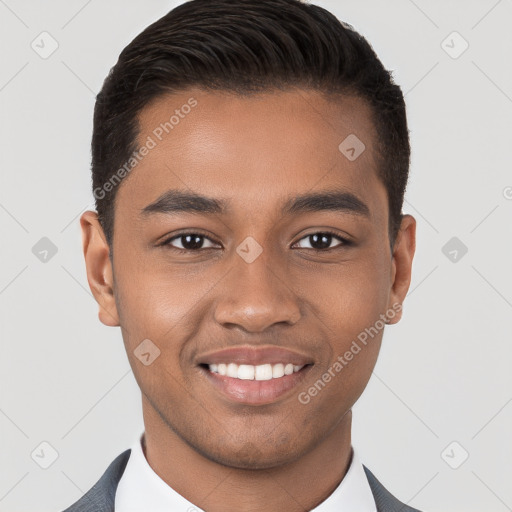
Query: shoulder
pixel 101 497
pixel 384 500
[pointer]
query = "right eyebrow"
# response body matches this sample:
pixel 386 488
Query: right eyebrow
pixel 177 201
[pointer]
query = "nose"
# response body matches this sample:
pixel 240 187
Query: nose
pixel 255 296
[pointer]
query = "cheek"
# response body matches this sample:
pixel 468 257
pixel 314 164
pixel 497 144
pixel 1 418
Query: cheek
pixel 347 304
pixel 347 297
pixel 150 322
pixel 156 301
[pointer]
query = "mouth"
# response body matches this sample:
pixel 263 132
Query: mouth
pixel 254 385
pixel 254 375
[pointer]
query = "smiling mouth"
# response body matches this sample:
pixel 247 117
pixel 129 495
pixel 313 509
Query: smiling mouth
pixel 254 384
pixel 255 372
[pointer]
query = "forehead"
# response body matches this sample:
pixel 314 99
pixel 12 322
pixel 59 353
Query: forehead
pixel 254 151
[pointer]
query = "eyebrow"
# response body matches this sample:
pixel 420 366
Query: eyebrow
pixel 178 201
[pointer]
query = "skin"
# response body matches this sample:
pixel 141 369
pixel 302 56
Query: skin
pixel 255 152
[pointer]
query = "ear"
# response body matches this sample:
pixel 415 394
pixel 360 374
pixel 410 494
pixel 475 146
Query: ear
pixel 99 268
pixel 403 253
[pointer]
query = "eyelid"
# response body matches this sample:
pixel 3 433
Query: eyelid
pixel 344 240
pixel 168 239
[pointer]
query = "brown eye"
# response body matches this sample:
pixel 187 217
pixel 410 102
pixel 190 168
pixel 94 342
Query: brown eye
pixel 322 241
pixel 189 242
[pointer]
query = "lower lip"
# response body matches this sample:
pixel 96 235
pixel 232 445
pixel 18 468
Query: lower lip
pixel 255 392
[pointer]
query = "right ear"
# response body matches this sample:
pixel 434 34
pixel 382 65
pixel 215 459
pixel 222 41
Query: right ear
pixel 99 268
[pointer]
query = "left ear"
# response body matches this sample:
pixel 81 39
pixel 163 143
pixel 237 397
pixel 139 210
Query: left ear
pixel 403 253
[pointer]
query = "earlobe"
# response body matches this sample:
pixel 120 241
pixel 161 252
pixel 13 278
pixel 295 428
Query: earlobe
pixel 99 268
pixel 403 254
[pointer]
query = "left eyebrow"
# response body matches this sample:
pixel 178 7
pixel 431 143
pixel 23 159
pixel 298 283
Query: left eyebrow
pixel 331 200
pixel 177 201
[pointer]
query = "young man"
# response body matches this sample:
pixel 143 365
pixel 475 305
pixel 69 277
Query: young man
pixel 250 159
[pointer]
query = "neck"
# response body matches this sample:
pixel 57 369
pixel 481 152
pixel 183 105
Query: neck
pixel 297 486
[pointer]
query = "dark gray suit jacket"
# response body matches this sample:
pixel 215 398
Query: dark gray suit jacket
pixel 101 497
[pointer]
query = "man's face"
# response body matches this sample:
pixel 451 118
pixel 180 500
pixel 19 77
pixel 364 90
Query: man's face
pixel 307 293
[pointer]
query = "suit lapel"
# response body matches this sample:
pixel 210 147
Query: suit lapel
pixel 101 497
pixel 384 500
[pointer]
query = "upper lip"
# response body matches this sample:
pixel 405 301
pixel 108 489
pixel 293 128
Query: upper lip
pixel 254 356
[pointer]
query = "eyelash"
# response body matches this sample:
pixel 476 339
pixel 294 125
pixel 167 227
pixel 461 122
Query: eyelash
pixel 167 243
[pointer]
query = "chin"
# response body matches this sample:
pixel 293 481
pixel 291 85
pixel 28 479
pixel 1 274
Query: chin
pixel 251 457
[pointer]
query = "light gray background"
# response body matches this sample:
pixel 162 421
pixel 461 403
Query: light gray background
pixel 444 372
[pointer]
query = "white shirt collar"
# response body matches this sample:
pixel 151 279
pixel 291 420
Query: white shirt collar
pixel 142 490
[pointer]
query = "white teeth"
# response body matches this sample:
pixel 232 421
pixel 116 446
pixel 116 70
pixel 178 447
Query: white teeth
pixel 277 371
pixel 246 372
pixel 263 372
pixel 259 372
pixel 232 370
